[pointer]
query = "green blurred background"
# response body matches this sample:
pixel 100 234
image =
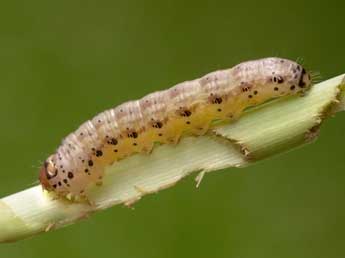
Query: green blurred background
pixel 61 62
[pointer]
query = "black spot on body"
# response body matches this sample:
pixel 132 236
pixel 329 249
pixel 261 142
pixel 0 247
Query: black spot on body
pixel 86 170
pixel 250 96
pixel 186 113
pixel 99 153
pixel 132 135
pixel 90 162
pixel 280 79
pixel 157 124
pixel 217 100
pixel 70 175
pixel 65 181
pixel 112 141
pixel 255 92
pixel 292 87
pixel 276 88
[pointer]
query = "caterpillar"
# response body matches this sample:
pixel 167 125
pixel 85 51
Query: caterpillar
pixel 188 108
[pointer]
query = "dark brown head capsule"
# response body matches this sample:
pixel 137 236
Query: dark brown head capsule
pixel 47 172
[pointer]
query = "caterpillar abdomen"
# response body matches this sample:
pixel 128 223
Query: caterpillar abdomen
pixel 164 116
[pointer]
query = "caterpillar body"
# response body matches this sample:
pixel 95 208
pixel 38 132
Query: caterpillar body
pixel 164 116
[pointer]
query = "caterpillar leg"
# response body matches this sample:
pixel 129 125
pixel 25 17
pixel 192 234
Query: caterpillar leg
pixel 80 198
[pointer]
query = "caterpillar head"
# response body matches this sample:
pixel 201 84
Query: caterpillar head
pixel 289 76
pixel 47 172
pixel 269 78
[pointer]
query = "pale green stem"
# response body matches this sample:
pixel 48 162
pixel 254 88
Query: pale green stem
pixel 261 132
